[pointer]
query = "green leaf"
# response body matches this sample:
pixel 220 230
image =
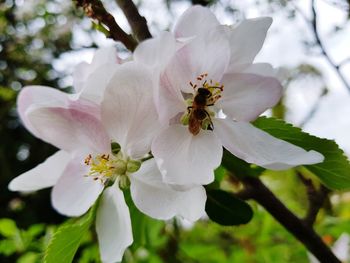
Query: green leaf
pixel 7 247
pixel 239 167
pixel 36 230
pixel 30 257
pixel 227 210
pixel 8 227
pixel 101 28
pixel 65 242
pixel 334 172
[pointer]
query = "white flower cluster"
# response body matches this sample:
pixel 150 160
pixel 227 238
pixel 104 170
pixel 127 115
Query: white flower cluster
pixel 157 124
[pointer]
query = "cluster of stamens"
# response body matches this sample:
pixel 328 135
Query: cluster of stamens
pixel 106 168
pixel 102 167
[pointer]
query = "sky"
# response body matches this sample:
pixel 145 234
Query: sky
pixel 283 48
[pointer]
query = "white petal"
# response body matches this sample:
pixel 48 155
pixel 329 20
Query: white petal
pixel 80 75
pixel 341 248
pixel 128 110
pixel 246 96
pixel 256 146
pixel 262 69
pixel 186 159
pixel 196 20
pixel 69 129
pixel 156 52
pixel 95 85
pixel 159 200
pixel 247 38
pixel 169 100
pixel 74 192
pixel 113 225
pixel 208 53
pixel 105 57
pixel 42 176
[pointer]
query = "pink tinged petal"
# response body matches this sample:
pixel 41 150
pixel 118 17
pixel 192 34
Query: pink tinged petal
pixel 197 20
pixel 128 110
pixel 42 176
pixel 69 129
pixel 113 225
pixel 41 96
pixel 208 53
pixel 247 38
pixel 185 159
pixel 256 146
pixel 75 192
pixel 38 95
pixel 246 96
pixel 160 201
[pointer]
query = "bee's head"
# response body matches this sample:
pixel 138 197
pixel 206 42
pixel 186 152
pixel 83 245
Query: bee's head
pixel 204 91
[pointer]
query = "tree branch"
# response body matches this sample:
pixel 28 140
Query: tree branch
pixel 95 10
pixel 137 22
pixel 316 198
pixel 304 233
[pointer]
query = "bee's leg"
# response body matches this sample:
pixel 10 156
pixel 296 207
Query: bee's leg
pixel 211 125
pixel 189 109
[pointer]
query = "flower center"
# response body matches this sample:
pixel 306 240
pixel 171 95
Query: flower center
pixel 108 167
pixel 198 115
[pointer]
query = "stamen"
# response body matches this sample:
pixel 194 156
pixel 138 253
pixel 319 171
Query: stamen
pixel 88 159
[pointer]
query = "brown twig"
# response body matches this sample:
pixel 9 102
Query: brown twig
pixel 303 232
pixel 316 197
pixel 137 22
pixel 95 10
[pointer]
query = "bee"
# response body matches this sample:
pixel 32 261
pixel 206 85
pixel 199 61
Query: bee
pixel 197 112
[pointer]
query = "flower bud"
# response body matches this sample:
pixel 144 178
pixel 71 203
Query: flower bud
pixel 115 148
pixel 124 182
